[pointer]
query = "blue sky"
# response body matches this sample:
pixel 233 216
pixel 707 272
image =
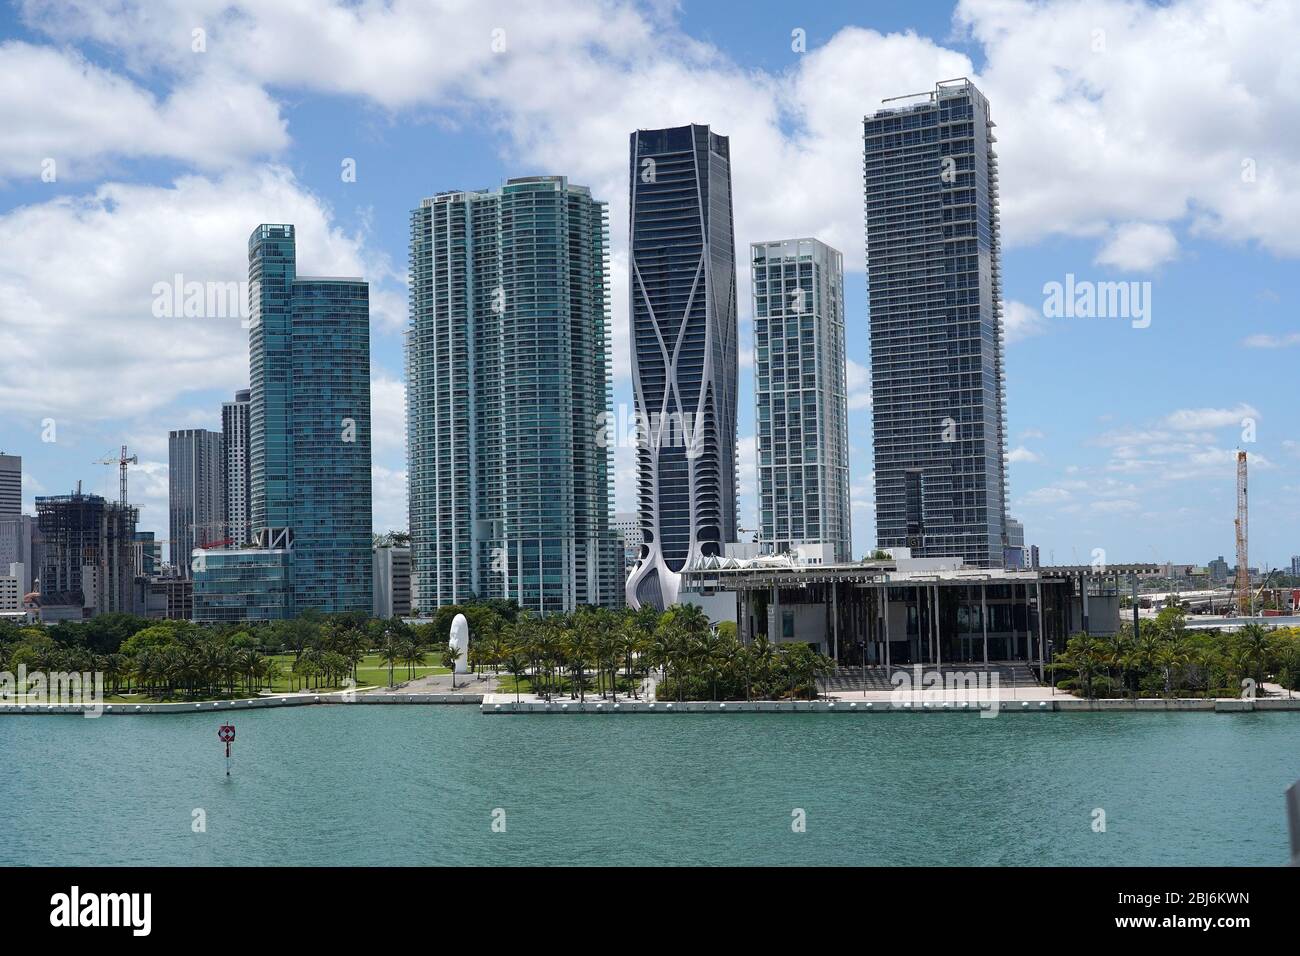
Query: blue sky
pixel 1117 163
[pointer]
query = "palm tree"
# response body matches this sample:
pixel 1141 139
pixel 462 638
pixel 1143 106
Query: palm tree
pixel 1082 655
pixel 1172 657
pixel 390 651
pixel 516 661
pixel 450 654
pixel 581 649
pixel 1256 655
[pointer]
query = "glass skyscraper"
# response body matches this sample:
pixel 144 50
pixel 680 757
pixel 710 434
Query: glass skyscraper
pixel 508 386
pixel 684 358
pixel 309 425
pixel 800 397
pixel 936 325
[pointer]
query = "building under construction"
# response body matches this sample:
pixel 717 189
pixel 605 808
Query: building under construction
pixel 89 557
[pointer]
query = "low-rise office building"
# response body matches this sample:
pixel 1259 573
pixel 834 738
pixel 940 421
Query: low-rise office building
pixel 247 584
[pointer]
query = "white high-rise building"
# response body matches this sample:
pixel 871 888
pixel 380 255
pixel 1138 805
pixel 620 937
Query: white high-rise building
pixel 801 398
pixel 235 446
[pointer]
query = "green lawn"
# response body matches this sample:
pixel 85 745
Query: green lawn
pixel 371 672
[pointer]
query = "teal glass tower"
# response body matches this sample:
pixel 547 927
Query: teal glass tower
pixel 309 423
pixel 508 389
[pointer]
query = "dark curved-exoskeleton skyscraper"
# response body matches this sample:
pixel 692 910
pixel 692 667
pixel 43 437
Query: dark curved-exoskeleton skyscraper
pixel 684 359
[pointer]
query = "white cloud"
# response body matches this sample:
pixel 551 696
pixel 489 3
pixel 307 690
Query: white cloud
pixel 862 495
pixel 1192 419
pixel 1020 322
pixel 55 105
pixel 1117 506
pixel 77 289
pixel 1048 495
pixel 1101 136
pixel 1266 341
pixel 1138 247
pixel 388 498
pixel 1022 454
pixel 858 383
pixel 747 461
pixel 387 413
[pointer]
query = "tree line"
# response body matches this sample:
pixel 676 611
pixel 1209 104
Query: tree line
pixel 1165 659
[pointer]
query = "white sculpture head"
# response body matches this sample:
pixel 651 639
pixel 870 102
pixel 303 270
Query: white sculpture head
pixel 460 641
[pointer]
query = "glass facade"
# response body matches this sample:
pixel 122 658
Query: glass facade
pixel 684 353
pixel 508 380
pixel 244 585
pixel 933 254
pixel 801 399
pixel 309 423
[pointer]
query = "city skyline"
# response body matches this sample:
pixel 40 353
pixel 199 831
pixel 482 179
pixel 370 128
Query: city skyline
pixel 1131 456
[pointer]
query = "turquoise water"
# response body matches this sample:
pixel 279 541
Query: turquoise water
pixel 418 785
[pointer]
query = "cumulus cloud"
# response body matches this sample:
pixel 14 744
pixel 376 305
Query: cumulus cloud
pixel 1195 419
pixel 858 382
pixel 388 498
pixel 387 413
pixel 1138 247
pixel 80 279
pixel 1020 322
pixel 55 106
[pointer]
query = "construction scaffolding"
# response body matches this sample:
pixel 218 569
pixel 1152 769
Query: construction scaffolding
pixel 89 555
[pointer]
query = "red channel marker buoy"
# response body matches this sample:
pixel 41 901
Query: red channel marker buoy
pixel 226 735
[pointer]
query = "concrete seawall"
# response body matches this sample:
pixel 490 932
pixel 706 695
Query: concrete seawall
pixel 492 704
pixel 1060 705
pixel 253 703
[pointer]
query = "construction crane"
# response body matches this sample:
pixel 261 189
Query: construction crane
pixel 1243 572
pixel 121 461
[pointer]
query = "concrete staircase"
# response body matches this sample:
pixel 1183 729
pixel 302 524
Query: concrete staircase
pixel 855 679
